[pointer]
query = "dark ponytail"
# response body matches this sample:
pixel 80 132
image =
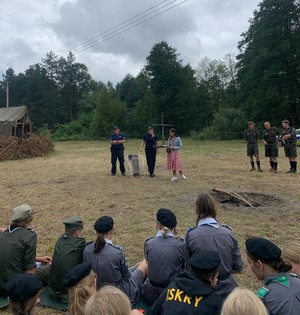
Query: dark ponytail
pixel 99 244
pixel 280 265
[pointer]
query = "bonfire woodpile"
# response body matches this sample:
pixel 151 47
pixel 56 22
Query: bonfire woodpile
pixel 13 148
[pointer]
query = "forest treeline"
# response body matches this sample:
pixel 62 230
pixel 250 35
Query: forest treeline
pixel 213 100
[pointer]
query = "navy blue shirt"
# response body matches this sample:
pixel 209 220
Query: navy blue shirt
pixel 117 137
pixel 150 140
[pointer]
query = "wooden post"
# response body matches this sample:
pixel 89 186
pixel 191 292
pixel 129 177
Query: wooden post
pixel 163 125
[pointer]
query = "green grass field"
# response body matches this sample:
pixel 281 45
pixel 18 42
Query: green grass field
pixel 75 180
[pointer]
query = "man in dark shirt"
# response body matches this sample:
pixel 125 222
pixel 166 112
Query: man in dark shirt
pixel 270 136
pixel 251 137
pixel 117 140
pixel 68 253
pixel 290 145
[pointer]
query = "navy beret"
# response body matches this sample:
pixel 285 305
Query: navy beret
pixel 262 249
pixel 76 274
pixel 205 261
pixel 104 224
pixel 22 287
pixel 166 218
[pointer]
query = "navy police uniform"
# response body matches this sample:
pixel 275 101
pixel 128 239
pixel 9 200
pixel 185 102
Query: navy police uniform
pixel 211 236
pixel 117 153
pixel 281 291
pixel 165 258
pixel 150 151
pixel 188 293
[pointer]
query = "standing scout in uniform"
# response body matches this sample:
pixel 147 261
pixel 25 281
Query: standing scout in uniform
pixel 192 292
pixel 117 140
pixel 270 136
pixel 173 159
pixel 68 253
pixel 281 291
pixel 209 235
pixel 251 137
pixel 150 142
pixel 110 264
pixel 18 248
pixel 290 145
pixel 164 255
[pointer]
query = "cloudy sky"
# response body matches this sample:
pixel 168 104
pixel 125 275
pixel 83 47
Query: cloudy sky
pixel 197 28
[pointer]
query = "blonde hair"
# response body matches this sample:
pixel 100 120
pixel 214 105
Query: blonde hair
pixel 165 230
pixel 291 252
pixel 18 308
pixel 243 301
pixel 108 300
pixel 80 293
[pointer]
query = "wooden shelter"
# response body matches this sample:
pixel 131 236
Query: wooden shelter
pixel 15 122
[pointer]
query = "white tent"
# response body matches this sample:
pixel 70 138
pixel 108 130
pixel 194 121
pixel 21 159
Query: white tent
pixel 15 121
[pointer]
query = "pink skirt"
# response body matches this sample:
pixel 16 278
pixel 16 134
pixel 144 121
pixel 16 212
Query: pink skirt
pixel 173 161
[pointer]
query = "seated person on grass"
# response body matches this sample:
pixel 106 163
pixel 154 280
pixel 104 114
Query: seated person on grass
pixel 18 248
pixel 81 282
pixel 22 290
pixel 68 253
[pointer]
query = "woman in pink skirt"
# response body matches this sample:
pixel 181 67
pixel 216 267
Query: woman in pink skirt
pixel 173 159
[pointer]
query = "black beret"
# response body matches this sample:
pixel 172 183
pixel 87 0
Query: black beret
pixel 166 218
pixel 205 261
pixel 104 224
pixel 262 249
pixel 22 287
pixel 76 274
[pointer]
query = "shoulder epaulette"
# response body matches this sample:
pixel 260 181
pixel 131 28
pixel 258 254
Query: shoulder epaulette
pixel 227 226
pixel 294 275
pixel 31 230
pixel 262 292
pixel 118 247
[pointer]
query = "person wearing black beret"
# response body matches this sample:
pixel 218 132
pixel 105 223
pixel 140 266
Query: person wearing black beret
pixel 22 290
pixel 81 283
pixel 210 235
pixel 281 290
pixel 192 293
pixel 109 263
pixel 164 254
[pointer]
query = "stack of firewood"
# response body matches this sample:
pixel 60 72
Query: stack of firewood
pixel 14 148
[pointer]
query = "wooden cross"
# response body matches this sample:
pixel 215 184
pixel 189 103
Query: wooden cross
pixel 163 125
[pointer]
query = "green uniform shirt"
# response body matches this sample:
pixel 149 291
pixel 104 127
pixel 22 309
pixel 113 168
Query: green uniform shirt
pixel 17 252
pixel 68 253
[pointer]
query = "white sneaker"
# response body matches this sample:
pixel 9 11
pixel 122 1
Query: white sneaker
pixel 183 176
pixel 173 178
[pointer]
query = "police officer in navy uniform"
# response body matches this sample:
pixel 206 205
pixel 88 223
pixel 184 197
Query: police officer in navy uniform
pixel 281 290
pixel 150 142
pixel 210 235
pixel 290 145
pixel 110 264
pixel 192 292
pixel 164 254
pixel 117 140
